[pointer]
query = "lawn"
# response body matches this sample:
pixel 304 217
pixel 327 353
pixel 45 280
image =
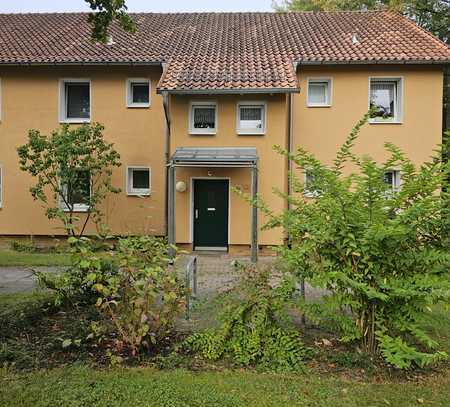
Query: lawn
pixel 24 259
pixel 38 372
pixel 83 386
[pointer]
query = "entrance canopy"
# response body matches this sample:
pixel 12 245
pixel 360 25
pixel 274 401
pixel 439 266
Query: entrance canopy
pixel 215 157
pixel 206 157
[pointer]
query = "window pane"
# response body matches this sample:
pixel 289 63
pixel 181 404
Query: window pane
pixel 251 117
pixel 317 93
pixel 382 96
pixel 141 179
pixel 77 100
pixel 204 117
pixel 79 191
pixel 388 178
pixel 140 92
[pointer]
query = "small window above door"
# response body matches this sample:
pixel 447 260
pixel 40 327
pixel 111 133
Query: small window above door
pixel 203 118
pixel 251 118
pixel 138 92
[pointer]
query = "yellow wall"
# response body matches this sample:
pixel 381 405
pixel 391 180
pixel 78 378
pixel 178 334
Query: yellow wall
pixel 272 167
pixel 322 130
pixel 30 100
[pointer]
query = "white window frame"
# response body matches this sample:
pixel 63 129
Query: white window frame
pixel 129 179
pixel 306 192
pixel 77 207
pixel 1 186
pixel 202 103
pixel 129 92
pixel 329 94
pixel 398 105
pixel 63 101
pixel 262 105
pixel 396 179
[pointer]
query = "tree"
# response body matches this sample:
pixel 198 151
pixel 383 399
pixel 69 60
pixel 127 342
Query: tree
pixel 433 15
pixel 74 167
pixel 104 13
pixel 381 253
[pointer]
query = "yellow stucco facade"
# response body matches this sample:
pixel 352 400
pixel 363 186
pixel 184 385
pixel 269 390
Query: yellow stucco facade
pixel 29 100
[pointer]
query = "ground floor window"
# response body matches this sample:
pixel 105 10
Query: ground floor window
pixel 138 181
pixel 77 193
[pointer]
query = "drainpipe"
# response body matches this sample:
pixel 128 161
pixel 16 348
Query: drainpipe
pixel 290 149
pixel 165 97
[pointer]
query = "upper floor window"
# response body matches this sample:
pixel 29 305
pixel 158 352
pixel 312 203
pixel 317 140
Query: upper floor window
pixel 251 118
pixel 386 97
pixel 77 194
pixel 138 181
pixel 319 92
pixel 138 92
pixel 392 179
pixel 75 100
pixel 203 118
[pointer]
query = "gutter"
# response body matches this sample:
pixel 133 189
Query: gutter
pixel 228 91
pixel 81 63
pixel 377 62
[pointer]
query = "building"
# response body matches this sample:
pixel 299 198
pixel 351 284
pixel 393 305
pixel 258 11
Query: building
pixel 195 102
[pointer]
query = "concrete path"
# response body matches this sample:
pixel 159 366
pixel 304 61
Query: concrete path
pixel 20 279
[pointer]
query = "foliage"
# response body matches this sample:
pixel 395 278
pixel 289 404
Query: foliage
pixel 251 332
pixel 62 164
pixel 433 15
pixel 382 254
pixel 105 13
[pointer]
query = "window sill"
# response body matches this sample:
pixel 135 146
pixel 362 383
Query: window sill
pixel 138 105
pixel 78 209
pixel 308 105
pixel 136 193
pixel 75 121
pixel 250 133
pixel 202 133
pixel 385 122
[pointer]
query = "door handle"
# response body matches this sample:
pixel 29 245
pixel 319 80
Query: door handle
pixel 196 214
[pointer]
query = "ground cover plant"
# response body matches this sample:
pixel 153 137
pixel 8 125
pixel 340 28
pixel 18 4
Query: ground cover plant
pixel 382 253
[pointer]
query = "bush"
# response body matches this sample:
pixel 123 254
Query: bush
pixel 252 331
pixel 383 254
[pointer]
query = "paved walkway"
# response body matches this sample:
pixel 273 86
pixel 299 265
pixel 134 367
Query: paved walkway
pixel 215 273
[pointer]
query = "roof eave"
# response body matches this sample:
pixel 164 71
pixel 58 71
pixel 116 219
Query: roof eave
pixel 82 63
pixel 236 91
pixel 376 62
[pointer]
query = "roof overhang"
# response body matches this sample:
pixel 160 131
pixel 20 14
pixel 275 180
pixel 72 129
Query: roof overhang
pixel 236 157
pixel 236 91
pixel 378 62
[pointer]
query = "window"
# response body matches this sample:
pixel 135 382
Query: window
pixel 77 194
pixel 138 181
pixel 203 118
pixel 310 189
pixel 319 92
pixel 75 100
pixel 138 92
pixel 385 96
pixel 251 118
pixel 392 179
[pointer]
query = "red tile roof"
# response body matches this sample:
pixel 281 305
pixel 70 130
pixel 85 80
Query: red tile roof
pixel 223 51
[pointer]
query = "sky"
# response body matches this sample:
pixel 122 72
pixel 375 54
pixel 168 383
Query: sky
pixel 24 6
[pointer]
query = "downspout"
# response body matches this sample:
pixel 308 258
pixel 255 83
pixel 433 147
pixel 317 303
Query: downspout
pixel 290 148
pixel 165 97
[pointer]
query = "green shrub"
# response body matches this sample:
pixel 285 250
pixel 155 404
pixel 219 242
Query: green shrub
pixel 252 330
pixel 382 254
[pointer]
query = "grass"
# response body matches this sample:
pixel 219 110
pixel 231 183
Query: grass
pixel 24 259
pixel 32 331
pixel 83 386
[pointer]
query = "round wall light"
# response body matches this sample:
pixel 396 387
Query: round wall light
pixel 180 186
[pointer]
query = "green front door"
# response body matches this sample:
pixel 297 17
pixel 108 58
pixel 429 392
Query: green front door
pixel 210 214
